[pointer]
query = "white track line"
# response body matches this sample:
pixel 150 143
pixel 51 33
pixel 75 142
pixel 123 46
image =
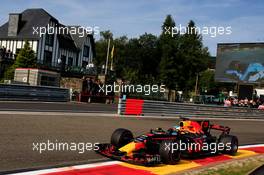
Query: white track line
pixel 54 170
pixel 94 165
pixel 103 114
pixel 251 146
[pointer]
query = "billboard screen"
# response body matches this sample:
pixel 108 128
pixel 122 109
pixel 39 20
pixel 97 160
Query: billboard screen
pixel 241 62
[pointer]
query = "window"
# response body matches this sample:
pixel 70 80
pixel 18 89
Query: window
pixel 63 59
pixel 70 61
pixel 84 64
pixel 48 81
pixel 63 62
pixel 47 57
pixel 77 60
pixel 49 39
pixel 86 51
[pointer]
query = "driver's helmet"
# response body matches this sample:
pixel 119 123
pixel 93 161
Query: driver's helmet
pixel 158 131
pixel 190 127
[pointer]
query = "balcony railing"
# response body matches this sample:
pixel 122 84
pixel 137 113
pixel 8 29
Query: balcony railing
pixel 67 69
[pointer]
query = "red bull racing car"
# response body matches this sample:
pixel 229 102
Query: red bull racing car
pixel 191 138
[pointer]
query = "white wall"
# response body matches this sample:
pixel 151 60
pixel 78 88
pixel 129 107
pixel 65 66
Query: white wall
pixel 13 45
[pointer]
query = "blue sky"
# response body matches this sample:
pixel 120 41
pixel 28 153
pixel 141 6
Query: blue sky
pixel 133 18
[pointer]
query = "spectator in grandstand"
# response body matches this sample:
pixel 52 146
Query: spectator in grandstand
pixel 227 102
pixel 261 107
pixel 84 84
pixel 241 103
pixel 89 85
pixel 246 101
pixel 95 87
pixel 253 103
pixel 235 102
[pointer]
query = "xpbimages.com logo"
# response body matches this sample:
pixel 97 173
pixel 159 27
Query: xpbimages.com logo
pixel 130 88
pixel 66 30
pixel 58 146
pixel 212 31
pixel 196 146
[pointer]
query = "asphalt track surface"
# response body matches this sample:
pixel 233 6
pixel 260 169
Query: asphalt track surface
pixel 18 132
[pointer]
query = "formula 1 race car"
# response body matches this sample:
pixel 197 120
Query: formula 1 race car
pixel 190 139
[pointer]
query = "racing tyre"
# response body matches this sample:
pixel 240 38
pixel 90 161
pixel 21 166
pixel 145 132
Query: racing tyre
pixel 121 137
pixel 230 144
pixel 167 154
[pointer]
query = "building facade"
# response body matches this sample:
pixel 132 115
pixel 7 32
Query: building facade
pixel 59 50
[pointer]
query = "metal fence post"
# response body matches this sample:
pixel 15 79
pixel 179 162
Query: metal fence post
pixel 119 106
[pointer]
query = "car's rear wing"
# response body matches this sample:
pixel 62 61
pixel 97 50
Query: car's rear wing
pixel 225 129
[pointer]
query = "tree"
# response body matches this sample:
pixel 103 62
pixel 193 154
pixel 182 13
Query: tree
pixel 206 81
pixel 107 35
pixel 149 56
pixel 172 59
pixel 135 60
pixel 168 47
pixel 140 60
pixel 194 57
pixel 120 55
pixel 132 67
pixel 101 48
pixel 25 59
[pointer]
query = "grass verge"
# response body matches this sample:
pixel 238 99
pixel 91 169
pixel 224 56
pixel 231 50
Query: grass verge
pixel 234 167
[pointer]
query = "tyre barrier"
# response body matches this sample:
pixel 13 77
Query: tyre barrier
pixel 164 108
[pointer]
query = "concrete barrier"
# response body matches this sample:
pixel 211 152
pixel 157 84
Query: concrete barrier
pixel 33 93
pixel 164 108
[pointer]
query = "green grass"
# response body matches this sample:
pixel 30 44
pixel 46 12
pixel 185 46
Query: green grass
pixel 241 169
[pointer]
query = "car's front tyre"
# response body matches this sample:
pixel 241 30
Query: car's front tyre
pixel 121 137
pixel 168 153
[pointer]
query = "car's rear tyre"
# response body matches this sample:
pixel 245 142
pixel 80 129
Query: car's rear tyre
pixel 169 154
pixel 230 144
pixel 121 137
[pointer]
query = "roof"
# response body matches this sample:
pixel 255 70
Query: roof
pixel 38 17
pixel 66 41
pixel 28 21
pixel 79 39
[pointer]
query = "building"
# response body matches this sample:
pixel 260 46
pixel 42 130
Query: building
pixel 36 77
pixel 60 50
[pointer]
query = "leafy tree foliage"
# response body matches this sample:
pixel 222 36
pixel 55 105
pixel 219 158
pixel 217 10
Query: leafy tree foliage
pixel 174 60
pixel 194 57
pixel 206 80
pixel 101 47
pixel 135 59
pixel 168 46
pixel 150 57
pixel 25 59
